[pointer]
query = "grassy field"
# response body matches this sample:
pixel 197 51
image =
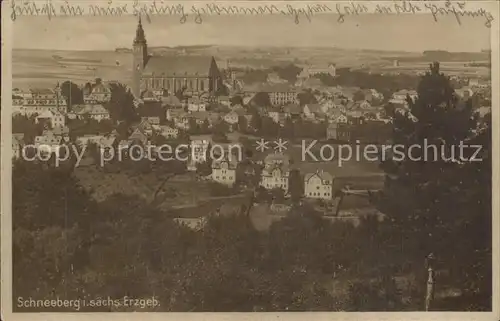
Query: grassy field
pixel 43 68
pixel 103 185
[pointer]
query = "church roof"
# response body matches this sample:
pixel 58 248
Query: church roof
pixel 179 66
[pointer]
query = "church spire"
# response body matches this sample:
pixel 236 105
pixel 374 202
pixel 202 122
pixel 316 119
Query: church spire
pixel 139 33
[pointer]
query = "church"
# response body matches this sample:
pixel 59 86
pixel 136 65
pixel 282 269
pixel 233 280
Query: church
pixel 194 75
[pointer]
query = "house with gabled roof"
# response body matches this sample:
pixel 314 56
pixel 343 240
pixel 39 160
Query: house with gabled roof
pixel 138 136
pixel 318 185
pixel 275 175
pixel 169 132
pixel 199 148
pixel 196 104
pixel 98 93
pixel 53 118
pixel 179 117
pixel 231 118
pixel 224 170
pixel 313 112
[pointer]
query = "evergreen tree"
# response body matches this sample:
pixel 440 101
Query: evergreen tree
pixel 441 197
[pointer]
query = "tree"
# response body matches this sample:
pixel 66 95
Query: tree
pixel 72 93
pixel 236 100
pixel 389 110
pixel 441 200
pixel 242 124
pixel 261 99
pixel 256 120
pixel 296 185
pixel 88 87
pixel 269 127
pixel 255 76
pixel 358 96
pixel 193 126
pixel 121 106
pixel 306 97
pixel 27 126
pixel 288 72
pixel 220 130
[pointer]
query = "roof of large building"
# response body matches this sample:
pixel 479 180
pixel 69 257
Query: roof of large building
pixel 171 66
pixel 325 177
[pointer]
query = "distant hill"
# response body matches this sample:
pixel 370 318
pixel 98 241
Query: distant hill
pixel 445 56
pixel 123 50
pixel 45 67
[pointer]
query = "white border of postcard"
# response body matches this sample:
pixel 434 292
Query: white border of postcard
pixel 6 195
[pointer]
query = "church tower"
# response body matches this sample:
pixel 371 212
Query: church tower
pixel 140 56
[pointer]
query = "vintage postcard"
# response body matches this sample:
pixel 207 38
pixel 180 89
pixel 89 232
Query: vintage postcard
pixel 335 158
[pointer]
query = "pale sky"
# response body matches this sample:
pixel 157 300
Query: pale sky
pixel 368 31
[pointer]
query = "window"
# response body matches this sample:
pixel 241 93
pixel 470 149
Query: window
pixel 202 85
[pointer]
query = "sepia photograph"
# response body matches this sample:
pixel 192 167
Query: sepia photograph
pixel 212 159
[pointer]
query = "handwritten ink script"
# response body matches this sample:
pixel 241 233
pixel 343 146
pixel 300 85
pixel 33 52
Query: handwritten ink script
pixel 297 13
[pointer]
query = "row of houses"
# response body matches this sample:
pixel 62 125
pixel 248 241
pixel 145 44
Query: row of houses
pixel 276 175
pixel 38 100
pixel 58 119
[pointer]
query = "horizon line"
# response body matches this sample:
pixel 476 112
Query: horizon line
pixel 257 47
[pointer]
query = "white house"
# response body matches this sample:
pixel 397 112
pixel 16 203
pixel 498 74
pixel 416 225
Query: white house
pixel 464 92
pixel 276 171
pixel 231 118
pixel 275 176
pixel 341 119
pixel 54 118
pixel 169 132
pixel 318 185
pixel 196 104
pixel 365 104
pixel 199 149
pixel 224 171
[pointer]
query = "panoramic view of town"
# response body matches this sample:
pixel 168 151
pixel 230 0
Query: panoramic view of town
pixel 156 174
